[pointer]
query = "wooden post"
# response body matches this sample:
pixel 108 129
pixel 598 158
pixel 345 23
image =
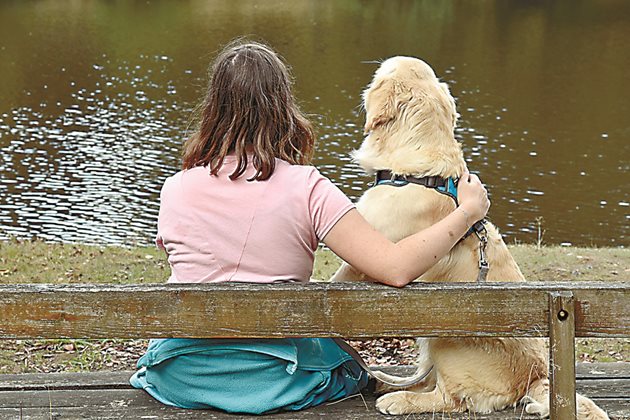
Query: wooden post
pixel 562 355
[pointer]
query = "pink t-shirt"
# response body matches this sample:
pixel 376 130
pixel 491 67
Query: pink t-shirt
pixel 215 229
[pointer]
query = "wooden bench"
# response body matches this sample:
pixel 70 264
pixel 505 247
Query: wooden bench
pixel 560 311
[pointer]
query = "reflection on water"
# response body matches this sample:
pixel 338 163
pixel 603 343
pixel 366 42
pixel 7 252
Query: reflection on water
pixel 90 171
pixel 93 117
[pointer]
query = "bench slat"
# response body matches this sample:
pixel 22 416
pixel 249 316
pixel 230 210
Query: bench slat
pixel 342 411
pixel 71 380
pixel 80 398
pixel 62 405
pixel 38 396
pixel 617 371
pixel 351 310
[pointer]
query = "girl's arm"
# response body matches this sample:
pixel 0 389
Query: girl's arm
pixel 398 264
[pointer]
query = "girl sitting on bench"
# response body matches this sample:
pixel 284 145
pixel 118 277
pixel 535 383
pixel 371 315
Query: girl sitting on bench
pixel 247 207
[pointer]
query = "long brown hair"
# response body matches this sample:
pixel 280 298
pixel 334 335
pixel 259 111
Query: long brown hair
pixel 249 107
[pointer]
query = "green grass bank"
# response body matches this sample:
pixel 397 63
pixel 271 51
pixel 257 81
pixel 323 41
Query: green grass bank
pixel 39 262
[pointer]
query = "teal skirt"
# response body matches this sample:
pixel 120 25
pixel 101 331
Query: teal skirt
pixel 247 376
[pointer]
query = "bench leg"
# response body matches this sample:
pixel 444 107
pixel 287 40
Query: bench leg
pixel 562 355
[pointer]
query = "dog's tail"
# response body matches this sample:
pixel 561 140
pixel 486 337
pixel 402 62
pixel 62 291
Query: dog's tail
pixel 537 402
pixel 423 365
pixel 421 381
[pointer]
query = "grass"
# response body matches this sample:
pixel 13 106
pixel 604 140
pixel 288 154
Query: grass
pixel 39 262
pixel 539 263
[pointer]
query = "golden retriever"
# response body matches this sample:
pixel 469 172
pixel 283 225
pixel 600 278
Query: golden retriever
pixel 410 122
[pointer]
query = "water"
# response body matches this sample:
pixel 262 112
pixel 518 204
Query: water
pixel 97 98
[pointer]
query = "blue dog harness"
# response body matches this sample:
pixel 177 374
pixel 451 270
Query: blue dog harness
pixel 446 186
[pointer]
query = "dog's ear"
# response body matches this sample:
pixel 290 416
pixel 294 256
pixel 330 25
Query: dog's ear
pixel 453 109
pixel 379 100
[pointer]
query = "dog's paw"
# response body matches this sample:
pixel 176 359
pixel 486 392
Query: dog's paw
pixel 395 403
pixel 534 407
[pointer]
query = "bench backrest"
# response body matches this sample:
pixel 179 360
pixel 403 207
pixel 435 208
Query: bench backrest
pixel 351 310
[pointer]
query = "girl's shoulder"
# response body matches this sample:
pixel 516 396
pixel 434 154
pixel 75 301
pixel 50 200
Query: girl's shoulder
pixel 192 178
pixel 303 172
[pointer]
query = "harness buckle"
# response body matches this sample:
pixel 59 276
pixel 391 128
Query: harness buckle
pixel 398 178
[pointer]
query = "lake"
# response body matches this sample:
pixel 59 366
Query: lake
pixel 97 98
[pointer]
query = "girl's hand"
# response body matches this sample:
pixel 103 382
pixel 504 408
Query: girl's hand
pixel 473 197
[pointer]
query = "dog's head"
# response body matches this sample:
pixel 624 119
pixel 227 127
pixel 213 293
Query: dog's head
pixel 407 88
pixel 410 122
